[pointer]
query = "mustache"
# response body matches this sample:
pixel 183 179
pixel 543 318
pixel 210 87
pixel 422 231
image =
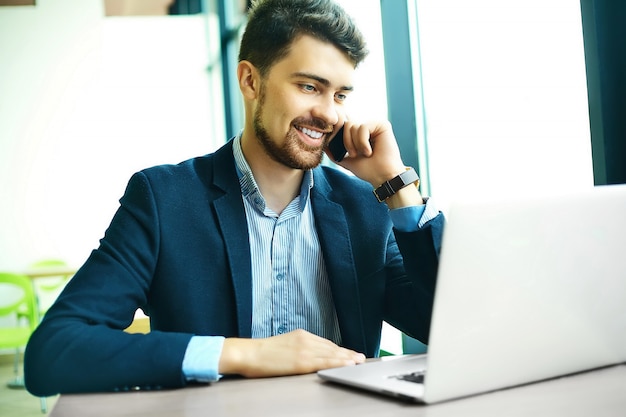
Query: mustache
pixel 316 123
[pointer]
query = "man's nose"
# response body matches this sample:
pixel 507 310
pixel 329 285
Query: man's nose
pixel 326 110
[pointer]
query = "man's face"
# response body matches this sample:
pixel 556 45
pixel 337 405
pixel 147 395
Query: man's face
pixel 300 102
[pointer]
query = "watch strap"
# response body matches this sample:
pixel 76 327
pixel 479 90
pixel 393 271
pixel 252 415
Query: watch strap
pixel 389 188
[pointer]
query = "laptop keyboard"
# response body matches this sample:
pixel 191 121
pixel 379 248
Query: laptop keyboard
pixel 417 377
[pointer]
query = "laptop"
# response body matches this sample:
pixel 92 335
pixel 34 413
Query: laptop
pixel 528 289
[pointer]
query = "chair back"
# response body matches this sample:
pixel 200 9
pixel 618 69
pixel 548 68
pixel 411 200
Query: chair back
pixel 48 288
pixel 17 299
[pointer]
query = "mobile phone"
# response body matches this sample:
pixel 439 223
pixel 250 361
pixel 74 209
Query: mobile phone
pixel 336 147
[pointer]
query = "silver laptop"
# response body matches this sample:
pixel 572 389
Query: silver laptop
pixel 528 290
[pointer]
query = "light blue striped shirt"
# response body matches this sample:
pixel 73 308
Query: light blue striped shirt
pixel 290 288
pixel 290 284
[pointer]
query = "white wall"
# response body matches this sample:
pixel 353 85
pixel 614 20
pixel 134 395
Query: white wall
pixel 505 97
pixel 85 101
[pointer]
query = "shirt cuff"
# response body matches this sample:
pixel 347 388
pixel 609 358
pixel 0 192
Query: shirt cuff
pixel 411 218
pixel 202 357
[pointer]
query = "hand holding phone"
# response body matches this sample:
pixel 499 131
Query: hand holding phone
pixel 336 147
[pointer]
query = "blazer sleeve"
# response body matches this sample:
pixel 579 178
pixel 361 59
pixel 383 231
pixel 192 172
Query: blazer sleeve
pixel 409 296
pixel 80 345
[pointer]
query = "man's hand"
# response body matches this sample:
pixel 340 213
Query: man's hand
pixel 296 352
pixel 374 156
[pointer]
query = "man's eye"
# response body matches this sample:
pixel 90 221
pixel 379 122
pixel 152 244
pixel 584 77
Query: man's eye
pixel 341 97
pixel 307 87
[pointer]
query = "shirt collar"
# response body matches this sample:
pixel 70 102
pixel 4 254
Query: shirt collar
pixel 250 189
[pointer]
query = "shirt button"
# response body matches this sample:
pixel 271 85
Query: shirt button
pixel 280 277
pixel 281 330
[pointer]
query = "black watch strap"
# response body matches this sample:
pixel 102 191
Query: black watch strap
pixel 389 188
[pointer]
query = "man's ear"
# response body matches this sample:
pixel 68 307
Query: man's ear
pixel 248 79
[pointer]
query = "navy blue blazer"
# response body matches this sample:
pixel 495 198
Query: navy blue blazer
pixel 178 248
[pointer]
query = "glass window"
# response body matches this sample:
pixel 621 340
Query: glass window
pixel 505 96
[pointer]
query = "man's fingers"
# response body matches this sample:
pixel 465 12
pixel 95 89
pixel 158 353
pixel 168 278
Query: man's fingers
pixel 295 352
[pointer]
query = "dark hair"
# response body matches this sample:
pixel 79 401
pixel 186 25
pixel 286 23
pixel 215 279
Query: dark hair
pixel 274 24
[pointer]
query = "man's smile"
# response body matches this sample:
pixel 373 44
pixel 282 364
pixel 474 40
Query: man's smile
pixel 311 137
pixel 309 132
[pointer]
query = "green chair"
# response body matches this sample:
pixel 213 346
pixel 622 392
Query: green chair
pixel 47 289
pixel 18 296
pixel 18 308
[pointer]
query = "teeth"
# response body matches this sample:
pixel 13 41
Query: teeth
pixel 312 133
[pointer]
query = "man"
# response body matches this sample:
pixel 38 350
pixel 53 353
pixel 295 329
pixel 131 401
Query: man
pixel 255 260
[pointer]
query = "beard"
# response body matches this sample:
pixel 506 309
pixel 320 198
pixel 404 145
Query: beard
pixel 293 153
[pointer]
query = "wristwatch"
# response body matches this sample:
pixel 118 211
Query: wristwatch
pixel 389 188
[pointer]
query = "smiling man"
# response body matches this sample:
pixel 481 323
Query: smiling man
pixel 255 260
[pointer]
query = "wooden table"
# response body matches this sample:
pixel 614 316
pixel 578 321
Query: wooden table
pixel 601 393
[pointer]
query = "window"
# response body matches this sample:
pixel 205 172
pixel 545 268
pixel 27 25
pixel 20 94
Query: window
pixel 505 99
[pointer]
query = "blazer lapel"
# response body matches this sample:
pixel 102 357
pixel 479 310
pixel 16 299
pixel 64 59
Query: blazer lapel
pixel 231 217
pixel 332 230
